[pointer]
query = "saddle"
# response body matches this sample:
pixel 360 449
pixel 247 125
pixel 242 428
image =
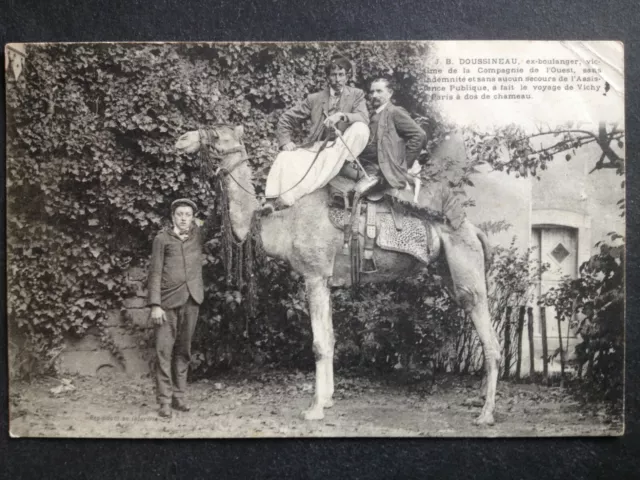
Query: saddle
pixel 383 222
pixel 435 202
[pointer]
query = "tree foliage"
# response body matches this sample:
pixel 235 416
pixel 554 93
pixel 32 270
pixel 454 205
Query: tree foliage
pixel 512 150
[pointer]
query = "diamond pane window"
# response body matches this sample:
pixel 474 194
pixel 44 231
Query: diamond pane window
pixel 560 253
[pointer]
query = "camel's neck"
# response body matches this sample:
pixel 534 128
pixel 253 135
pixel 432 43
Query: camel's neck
pixel 242 200
pixel 243 204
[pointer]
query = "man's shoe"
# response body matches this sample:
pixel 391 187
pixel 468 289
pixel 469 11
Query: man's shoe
pixel 179 405
pixel 365 184
pixel 267 209
pixel 164 411
pixel 271 206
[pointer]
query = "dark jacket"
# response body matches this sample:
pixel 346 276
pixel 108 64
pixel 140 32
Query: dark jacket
pixel 352 104
pixel 176 268
pixel 400 141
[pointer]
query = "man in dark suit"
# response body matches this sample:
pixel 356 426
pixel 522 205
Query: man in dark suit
pixel 175 294
pixel 299 170
pixel 394 145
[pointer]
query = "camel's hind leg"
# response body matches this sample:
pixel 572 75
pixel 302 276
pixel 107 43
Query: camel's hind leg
pixel 465 259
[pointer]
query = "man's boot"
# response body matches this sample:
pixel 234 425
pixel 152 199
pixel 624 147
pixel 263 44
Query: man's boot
pixel 271 206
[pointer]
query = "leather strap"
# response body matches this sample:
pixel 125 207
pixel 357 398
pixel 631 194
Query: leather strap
pixel 371 231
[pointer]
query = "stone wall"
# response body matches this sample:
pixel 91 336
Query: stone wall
pixel 131 331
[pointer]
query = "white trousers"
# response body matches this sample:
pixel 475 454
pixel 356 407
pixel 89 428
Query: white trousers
pixel 289 168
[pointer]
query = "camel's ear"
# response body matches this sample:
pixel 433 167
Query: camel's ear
pixel 239 132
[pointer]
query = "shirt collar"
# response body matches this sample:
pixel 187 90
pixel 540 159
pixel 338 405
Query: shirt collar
pixel 381 107
pixel 333 93
pixel 176 231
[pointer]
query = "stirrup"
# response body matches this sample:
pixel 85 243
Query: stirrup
pixel 340 200
pixel 368 265
pixel 351 227
pixel 365 184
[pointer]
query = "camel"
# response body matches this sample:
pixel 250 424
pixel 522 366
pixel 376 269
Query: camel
pixel 303 236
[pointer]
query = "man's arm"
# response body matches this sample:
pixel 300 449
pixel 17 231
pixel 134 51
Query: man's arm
pixel 360 112
pixel 414 137
pixel 155 271
pixel 291 119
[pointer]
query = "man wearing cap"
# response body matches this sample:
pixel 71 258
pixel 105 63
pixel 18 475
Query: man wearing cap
pixel 175 294
pixel 299 170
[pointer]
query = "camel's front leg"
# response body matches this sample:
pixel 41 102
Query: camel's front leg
pixel 319 307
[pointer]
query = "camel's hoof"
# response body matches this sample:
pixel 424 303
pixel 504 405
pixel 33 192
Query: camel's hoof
pixel 313 414
pixel 485 419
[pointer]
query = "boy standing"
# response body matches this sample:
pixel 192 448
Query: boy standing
pixel 175 294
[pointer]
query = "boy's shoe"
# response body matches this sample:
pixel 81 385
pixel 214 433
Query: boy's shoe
pixel 164 411
pixel 178 404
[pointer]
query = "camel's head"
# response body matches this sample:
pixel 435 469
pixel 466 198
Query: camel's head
pixel 221 139
pixel 189 142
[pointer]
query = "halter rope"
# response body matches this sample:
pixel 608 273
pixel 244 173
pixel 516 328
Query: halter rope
pixel 242 251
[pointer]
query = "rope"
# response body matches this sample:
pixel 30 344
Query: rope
pixel 228 241
pixel 239 256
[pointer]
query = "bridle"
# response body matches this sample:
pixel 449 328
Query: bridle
pixel 205 141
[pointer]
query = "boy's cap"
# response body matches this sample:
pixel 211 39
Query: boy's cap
pixel 183 201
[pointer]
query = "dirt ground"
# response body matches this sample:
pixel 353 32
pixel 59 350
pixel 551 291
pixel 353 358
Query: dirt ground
pixel 268 404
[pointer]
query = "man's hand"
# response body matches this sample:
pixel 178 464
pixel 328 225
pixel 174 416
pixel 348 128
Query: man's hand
pixel 157 315
pixel 332 120
pixel 289 147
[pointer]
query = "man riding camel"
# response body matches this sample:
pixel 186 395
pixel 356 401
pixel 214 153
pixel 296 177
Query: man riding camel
pixel 298 171
pixel 396 140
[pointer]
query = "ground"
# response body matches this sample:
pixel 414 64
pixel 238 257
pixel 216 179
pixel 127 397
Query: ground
pixel 268 404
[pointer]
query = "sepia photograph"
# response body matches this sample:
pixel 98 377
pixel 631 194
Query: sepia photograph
pixel 315 239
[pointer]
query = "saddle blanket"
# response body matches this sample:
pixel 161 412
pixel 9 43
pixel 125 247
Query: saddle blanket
pixel 416 237
pixel 435 201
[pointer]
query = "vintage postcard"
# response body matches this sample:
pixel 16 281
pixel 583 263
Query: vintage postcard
pixel 334 239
